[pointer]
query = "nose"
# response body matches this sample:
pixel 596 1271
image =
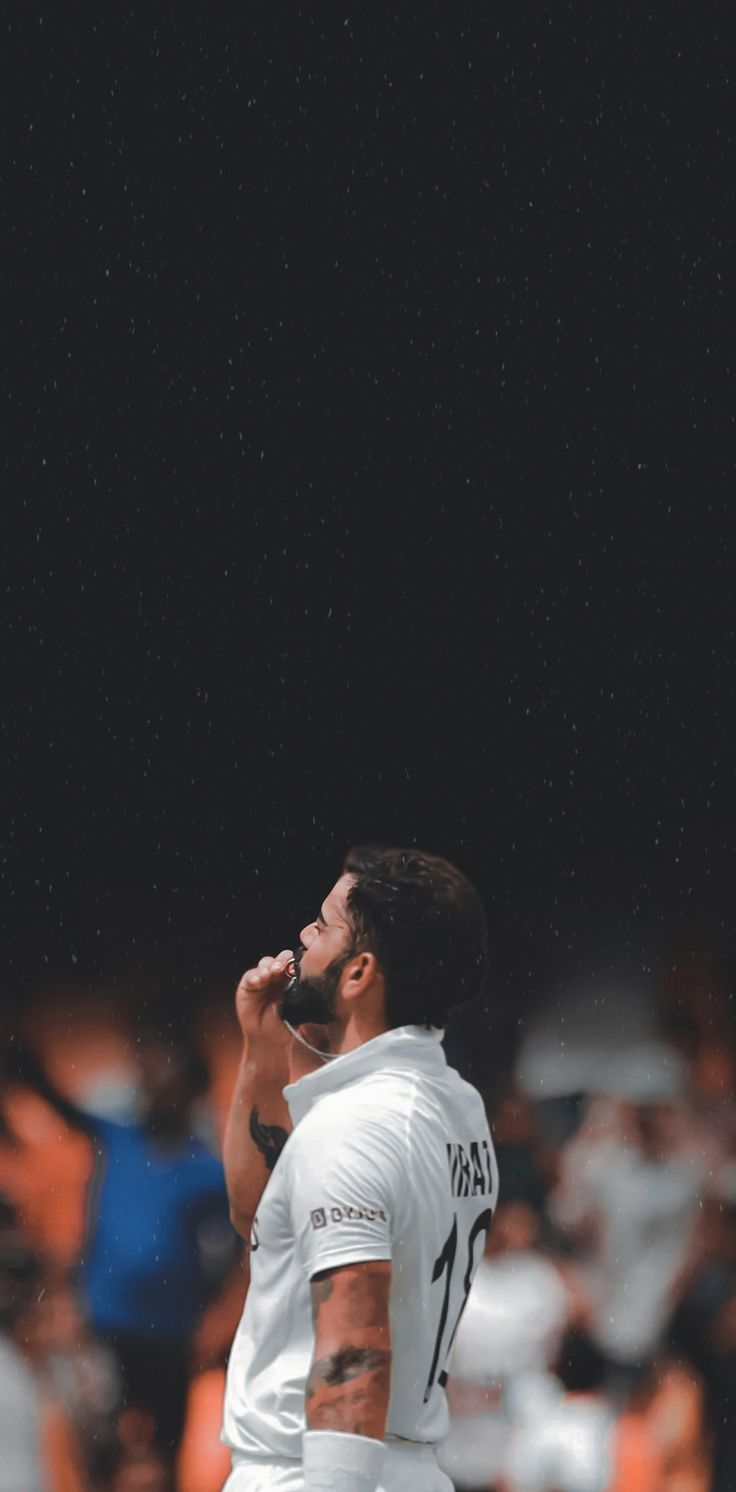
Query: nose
pixel 308 933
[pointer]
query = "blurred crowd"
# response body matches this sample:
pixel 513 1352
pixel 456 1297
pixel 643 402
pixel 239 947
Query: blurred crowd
pixel 121 1278
pixel 597 1352
pixel 598 1347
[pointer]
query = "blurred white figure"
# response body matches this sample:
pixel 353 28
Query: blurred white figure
pixel 21 1406
pixel 566 1033
pixel 509 1334
pixel 631 1182
pixel 568 1445
pixel 20 1423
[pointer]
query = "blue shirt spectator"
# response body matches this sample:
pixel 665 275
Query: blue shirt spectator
pixel 159 1239
pixel 160 1236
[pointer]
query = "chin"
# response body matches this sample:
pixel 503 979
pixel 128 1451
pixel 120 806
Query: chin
pixel 305 1003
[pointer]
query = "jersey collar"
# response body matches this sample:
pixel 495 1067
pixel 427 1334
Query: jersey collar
pixel 406 1047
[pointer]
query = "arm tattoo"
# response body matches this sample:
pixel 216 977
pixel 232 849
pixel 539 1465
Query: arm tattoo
pixel 349 1384
pixel 349 1362
pixel 268 1138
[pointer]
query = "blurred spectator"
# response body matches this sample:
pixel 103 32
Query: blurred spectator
pixel 567 1445
pixel 696 1017
pixel 78 1373
pixel 579 1442
pixel 21 1464
pixel 631 1181
pixel 138 1466
pixel 160 1243
pixel 141 1471
pixel 668 1404
pixel 39 1451
pixel 693 1004
pixel 43 1173
pixel 526 1160
pixel 703 1327
pixel 520 1305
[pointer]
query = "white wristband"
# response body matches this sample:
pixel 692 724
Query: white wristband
pixel 334 1462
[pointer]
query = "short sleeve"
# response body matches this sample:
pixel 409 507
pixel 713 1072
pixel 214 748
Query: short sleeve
pixel 345 1187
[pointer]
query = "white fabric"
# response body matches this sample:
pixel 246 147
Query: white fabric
pixel 372 1170
pixel 20 1462
pixel 650 1072
pixel 644 1212
pixel 515 1319
pixel 511 1330
pixel 474 1452
pixel 406 1468
pixel 341 1463
pixel 568 1449
pixel 568 1031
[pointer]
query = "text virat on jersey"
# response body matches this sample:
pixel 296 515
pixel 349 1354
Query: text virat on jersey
pixel 470 1170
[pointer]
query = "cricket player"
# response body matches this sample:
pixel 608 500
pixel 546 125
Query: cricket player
pixel 361 1172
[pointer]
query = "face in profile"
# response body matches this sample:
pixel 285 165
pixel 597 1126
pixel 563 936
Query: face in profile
pixel 326 946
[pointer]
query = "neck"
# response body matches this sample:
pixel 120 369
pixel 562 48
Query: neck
pixel 357 1030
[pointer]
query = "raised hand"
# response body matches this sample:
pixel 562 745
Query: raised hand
pixel 257 1000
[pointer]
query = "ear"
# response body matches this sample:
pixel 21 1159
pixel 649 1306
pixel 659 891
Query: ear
pixel 360 973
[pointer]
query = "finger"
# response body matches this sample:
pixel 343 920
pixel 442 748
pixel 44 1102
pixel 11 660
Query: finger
pixel 265 962
pixel 271 968
pixel 253 979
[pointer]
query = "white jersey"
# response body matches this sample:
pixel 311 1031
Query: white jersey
pixel 390 1158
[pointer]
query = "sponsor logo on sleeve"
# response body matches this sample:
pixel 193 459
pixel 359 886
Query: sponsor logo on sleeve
pixel 358 1214
pixel 320 1217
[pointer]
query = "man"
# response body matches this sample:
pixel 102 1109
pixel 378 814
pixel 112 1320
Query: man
pixel 368 1221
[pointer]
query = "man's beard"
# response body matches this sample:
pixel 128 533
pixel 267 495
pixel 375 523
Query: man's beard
pixel 313 1000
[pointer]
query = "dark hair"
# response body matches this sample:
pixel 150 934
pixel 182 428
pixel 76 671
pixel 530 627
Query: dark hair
pixel 160 1024
pixel 580 1366
pixel 426 925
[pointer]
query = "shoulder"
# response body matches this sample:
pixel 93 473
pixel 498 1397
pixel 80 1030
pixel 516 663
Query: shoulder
pixel 348 1134
pixel 373 1107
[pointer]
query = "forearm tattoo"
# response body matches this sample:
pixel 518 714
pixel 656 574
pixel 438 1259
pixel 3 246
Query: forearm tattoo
pixel 347 1389
pixel 268 1138
pixel 349 1362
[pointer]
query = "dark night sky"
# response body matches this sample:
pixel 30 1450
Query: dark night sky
pixel 368 471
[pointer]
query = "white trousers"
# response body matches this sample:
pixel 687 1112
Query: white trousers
pixel 406 1468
